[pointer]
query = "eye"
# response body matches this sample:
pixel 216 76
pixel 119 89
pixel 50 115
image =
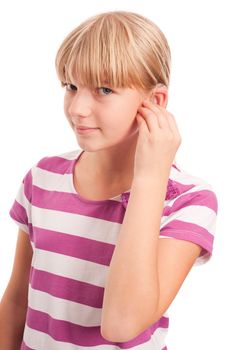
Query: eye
pixel 70 87
pixel 106 90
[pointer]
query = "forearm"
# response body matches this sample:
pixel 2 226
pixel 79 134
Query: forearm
pixel 12 321
pixel 132 286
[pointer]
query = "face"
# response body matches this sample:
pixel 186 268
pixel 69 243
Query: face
pixel 111 111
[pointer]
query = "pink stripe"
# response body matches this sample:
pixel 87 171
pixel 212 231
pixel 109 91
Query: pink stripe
pixel 57 164
pixel 190 232
pixel 178 187
pixel 18 213
pixel 83 336
pixel 205 198
pixel 71 245
pixel 70 202
pixel 67 288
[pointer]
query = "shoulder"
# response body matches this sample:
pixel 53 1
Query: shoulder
pixel 60 163
pixel 190 211
pixel 188 189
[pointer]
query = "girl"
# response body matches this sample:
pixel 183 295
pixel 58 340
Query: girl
pixel 92 267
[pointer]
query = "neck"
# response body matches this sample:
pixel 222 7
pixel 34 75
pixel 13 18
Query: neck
pixel 113 164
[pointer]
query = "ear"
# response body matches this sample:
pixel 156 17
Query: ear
pixel 159 95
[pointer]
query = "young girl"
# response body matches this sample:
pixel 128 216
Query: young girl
pixel 92 267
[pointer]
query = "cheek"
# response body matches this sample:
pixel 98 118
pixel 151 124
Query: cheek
pixel 130 108
pixel 125 118
pixel 65 106
pixel 66 113
pixel 125 123
pixel 130 114
pixel 67 101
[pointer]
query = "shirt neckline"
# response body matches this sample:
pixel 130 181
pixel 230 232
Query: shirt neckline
pixel 86 200
pixel 120 197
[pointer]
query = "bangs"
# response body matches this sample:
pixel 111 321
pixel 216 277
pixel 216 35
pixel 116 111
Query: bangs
pixel 98 53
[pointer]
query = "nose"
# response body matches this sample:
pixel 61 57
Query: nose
pixel 80 104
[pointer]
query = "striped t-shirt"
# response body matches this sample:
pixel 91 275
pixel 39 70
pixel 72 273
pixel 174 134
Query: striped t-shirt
pixel 73 239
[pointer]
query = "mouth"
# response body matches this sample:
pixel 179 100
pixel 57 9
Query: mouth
pixel 85 130
pixel 84 127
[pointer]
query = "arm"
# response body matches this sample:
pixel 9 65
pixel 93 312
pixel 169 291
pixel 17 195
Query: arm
pixel 141 282
pixel 145 271
pixel 13 305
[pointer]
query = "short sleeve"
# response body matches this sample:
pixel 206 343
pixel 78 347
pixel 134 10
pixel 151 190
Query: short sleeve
pixel 192 217
pixel 20 211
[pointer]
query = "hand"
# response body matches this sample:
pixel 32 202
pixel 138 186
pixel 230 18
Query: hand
pixel 157 143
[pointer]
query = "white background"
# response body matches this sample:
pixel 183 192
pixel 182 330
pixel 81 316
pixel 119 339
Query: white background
pixel 33 125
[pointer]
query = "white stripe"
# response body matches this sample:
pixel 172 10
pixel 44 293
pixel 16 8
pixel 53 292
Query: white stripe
pixel 202 259
pixel 50 181
pixel 21 199
pixel 69 267
pixel 41 341
pixel 71 154
pixel 186 178
pixel 62 309
pixel 196 214
pixel 76 224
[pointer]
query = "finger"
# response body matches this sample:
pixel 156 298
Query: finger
pixel 141 122
pixel 161 111
pixel 150 118
pixel 160 114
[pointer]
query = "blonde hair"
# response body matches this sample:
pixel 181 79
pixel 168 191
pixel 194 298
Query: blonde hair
pixel 122 49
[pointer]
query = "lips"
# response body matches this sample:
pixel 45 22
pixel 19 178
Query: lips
pixel 85 130
pixel 84 127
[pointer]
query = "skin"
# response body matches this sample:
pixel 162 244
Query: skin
pixel 148 148
pixel 137 138
pixel 110 151
pixel 158 142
